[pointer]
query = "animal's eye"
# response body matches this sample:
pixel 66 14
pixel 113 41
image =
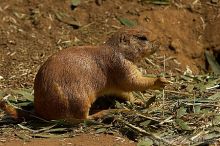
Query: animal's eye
pixel 142 38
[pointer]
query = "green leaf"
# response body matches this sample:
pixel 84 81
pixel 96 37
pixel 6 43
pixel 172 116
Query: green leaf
pixel 25 93
pixel 183 125
pixel 100 130
pixel 212 62
pixel 197 108
pixel 187 78
pixel 145 142
pixel 1 94
pixel 127 22
pixel 145 123
pixel 214 96
pixel 118 105
pixel 201 87
pixel 67 19
pixel 216 120
pixel 181 111
pixel 205 111
pixel 160 2
pixel 75 2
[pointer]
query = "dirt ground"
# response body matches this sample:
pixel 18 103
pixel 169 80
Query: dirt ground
pixel 30 31
pixel 82 140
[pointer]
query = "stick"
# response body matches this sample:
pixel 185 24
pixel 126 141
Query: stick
pixel 151 135
pixel 164 69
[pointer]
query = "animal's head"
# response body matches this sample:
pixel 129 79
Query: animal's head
pixel 133 44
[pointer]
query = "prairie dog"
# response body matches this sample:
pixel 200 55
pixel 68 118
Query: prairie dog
pixel 69 82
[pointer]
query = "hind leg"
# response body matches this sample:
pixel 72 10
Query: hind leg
pixel 78 112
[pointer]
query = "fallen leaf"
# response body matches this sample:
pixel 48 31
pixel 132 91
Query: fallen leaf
pixel 25 93
pixel 214 96
pixel 100 130
pixel 183 125
pixel 216 120
pixel 127 22
pixel 197 109
pixel 160 2
pixel 67 19
pixel 75 2
pixel 145 142
pixel 145 123
pixel 181 111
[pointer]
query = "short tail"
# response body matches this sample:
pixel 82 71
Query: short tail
pixel 15 112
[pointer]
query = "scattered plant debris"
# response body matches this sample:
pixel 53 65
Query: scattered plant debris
pixel 188 115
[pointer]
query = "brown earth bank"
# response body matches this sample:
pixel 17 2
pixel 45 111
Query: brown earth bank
pixel 30 31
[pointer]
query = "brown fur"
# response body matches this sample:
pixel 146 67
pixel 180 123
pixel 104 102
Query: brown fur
pixel 70 81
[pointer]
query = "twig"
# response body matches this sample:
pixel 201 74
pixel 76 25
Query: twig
pixel 36 131
pixel 151 135
pixel 213 87
pixel 195 2
pixel 149 61
pixel 26 128
pixel 166 120
pixel 163 101
pixel 203 23
pixel 87 25
pixel 164 69
pixel 176 92
pixel 200 133
pixel 148 118
pixel 169 58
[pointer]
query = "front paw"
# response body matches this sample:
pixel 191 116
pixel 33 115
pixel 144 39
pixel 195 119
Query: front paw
pixel 161 82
